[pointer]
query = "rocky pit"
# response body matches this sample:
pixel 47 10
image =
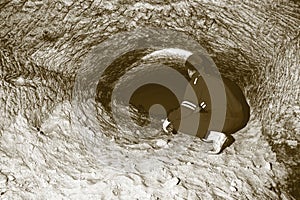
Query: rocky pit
pixel 43 152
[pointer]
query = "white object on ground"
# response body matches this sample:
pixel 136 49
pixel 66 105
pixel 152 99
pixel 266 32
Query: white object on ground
pixel 161 143
pixel 219 139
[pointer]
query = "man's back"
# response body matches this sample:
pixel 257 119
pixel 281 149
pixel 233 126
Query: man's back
pixel 235 110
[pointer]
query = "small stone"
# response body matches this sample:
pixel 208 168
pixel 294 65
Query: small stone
pixel 20 81
pixel 292 143
pixel 161 143
pixel 3 179
pixel 268 166
pixel 233 189
pixel 233 184
pixel 11 177
pixel 172 182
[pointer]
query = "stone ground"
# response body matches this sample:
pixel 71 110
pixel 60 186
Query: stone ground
pixel 55 163
pixel 42 45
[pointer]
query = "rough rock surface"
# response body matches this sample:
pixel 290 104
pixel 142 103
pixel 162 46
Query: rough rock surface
pixel 55 164
pixel 43 43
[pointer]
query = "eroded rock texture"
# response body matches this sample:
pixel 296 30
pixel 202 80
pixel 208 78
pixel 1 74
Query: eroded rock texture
pixel 255 43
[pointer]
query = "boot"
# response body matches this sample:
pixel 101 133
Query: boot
pixel 218 139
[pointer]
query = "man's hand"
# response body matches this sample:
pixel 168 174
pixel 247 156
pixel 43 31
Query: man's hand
pixel 168 127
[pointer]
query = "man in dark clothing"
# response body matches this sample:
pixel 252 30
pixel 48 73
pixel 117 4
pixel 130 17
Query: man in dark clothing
pixel 210 120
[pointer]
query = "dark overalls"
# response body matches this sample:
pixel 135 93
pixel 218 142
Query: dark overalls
pixel 191 113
